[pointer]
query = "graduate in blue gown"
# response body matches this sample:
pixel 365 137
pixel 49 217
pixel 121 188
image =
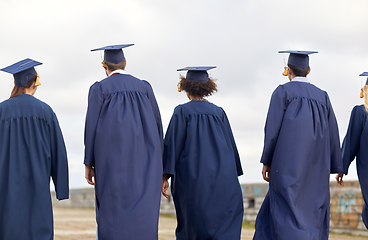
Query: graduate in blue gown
pixel 201 158
pixel 301 149
pixel 355 145
pixel 123 152
pixel 32 150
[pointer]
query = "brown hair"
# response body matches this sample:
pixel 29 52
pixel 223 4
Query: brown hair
pixel 22 90
pixel 196 88
pixel 299 72
pixel 115 66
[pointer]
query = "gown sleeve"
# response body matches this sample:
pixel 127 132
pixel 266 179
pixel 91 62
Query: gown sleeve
pixel 335 152
pixel 350 145
pixel 174 141
pixel 228 130
pixel 95 100
pixel 272 128
pixel 59 161
pixel 156 111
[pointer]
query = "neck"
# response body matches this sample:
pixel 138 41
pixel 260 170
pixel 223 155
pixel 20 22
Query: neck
pixel 109 72
pixel 31 90
pixel 197 98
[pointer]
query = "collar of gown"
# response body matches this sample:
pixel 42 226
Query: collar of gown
pixel 300 79
pixel 118 71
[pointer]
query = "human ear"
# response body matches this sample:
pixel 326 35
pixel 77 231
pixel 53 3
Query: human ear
pixel 309 70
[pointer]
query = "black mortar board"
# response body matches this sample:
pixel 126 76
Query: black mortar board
pixel 114 53
pixel 22 71
pixel 299 58
pixel 197 73
pixel 365 74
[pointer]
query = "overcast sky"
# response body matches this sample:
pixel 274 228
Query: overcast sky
pixel 240 37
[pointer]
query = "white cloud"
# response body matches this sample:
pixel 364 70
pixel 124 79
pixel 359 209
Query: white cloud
pixel 240 37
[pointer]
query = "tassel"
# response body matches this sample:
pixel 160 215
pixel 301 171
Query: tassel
pixel 361 93
pixel 37 83
pixel 179 89
pixel 104 65
pixel 285 73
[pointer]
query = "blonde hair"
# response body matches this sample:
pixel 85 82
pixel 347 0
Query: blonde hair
pixel 365 90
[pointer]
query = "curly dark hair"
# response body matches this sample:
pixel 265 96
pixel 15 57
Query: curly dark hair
pixel 196 88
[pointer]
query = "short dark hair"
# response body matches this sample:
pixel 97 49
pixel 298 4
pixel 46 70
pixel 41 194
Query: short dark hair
pixel 299 72
pixel 116 66
pixel 196 88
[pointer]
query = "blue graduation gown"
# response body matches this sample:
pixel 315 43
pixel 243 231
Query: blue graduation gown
pixel 355 144
pixel 124 142
pixel 302 147
pixel 31 150
pixel 201 157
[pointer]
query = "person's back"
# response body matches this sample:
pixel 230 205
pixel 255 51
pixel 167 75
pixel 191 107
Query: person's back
pixel 305 126
pixel 25 105
pixel 123 139
pixel 31 151
pixel 126 115
pixel 301 149
pixel 355 146
pixel 200 155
